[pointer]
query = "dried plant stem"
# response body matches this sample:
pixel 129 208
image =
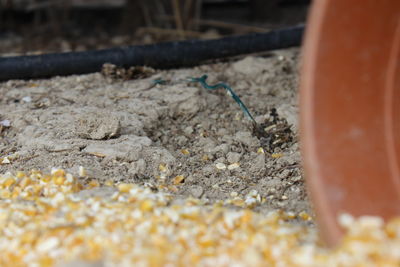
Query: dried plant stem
pixel 178 18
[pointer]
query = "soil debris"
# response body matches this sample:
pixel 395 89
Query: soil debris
pixel 274 133
pixel 114 73
pixel 124 129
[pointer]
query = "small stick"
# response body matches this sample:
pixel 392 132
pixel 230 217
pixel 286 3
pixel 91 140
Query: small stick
pixel 178 18
pixel 186 13
pixel 146 14
pixel 197 16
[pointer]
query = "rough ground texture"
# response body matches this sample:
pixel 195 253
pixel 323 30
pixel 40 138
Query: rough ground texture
pixel 194 141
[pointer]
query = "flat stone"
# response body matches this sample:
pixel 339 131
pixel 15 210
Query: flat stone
pixel 127 148
pixel 233 157
pixel 196 191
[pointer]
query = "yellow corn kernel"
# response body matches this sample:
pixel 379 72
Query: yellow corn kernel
pixel 172 188
pixel 206 242
pixel 95 251
pixel 76 187
pixel 304 216
pixel 9 182
pixel 246 217
pixel 146 205
pixel 16 192
pixel 30 212
pixel 162 167
pixel 59 180
pixel 46 178
pixel 237 202
pixel 185 152
pixel 109 183
pixel 58 172
pixel 31 85
pixel 276 155
pixel 24 182
pixel 20 174
pixel 205 158
pixel 76 242
pixel 28 237
pixel 179 179
pixel 125 188
pixel 194 216
pixel 5 193
pixel 46 261
pixel 37 189
pixel 93 184
pixel 392 228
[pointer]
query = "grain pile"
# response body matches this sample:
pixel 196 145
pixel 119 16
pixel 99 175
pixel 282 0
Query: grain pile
pixel 57 220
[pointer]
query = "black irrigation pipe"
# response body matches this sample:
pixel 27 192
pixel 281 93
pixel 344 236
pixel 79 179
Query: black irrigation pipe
pixel 161 56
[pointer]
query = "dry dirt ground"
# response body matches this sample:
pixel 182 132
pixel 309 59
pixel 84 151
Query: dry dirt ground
pixel 175 136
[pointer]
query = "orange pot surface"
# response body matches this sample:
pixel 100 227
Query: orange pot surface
pixel 350 110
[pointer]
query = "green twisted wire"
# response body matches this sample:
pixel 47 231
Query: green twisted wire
pixel 202 81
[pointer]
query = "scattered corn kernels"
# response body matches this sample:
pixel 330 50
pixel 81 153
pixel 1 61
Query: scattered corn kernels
pixel 134 226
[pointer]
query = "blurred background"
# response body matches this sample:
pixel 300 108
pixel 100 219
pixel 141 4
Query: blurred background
pixel 42 26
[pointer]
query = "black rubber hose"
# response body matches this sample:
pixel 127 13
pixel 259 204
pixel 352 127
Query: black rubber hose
pixel 160 56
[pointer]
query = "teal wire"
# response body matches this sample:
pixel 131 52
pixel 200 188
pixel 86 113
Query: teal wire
pixel 202 81
pixel 159 81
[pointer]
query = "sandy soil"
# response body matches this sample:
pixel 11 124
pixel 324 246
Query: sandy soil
pixel 177 136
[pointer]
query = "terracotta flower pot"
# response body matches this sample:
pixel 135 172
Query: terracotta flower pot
pixel 350 110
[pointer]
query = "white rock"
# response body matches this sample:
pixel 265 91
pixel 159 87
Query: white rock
pixel 220 166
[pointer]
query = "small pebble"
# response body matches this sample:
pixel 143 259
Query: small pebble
pixel 188 130
pixel 27 99
pixel 196 191
pixel 233 157
pixel 5 123
pixel 224 148
pixel 82 171
pixel 5 160
pixel 258 163
pixel 220 166
pixel 208 169
pixel 296 178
